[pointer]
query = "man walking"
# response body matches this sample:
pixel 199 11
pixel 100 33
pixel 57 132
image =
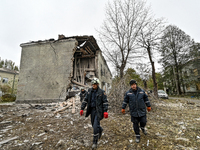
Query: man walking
pixel 97 106
pixel 137 99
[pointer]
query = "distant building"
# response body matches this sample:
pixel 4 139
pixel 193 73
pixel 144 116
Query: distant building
pixel 7 76
pixel 189 78
pixel 51 68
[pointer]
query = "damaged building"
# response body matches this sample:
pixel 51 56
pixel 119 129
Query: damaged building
pixel 50 69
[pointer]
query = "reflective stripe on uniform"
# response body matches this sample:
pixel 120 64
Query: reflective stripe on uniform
pixel 137 135
pixel 96 134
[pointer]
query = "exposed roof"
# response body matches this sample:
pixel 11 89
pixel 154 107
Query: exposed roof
pixel 9 71
pixel 83 41
pixel 89 41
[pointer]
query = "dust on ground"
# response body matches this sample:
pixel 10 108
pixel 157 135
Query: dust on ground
pixel 172 125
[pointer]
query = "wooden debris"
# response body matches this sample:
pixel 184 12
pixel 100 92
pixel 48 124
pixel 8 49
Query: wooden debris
pixel 73 108
pixel 79 83
pixel 8 140
pixel 63 104
pixel 68 105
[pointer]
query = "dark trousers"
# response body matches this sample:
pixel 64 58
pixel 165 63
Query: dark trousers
pixel 136 120
pixel 95 123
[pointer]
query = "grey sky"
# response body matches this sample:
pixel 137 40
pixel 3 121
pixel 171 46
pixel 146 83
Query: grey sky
pixel 31 20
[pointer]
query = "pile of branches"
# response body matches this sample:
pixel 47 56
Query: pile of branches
pixel 117 93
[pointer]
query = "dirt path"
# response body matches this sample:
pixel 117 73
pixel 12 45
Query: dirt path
pixel 172 124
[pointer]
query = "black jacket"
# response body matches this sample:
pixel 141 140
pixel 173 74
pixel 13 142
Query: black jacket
pixel 136 102
pixel 101 103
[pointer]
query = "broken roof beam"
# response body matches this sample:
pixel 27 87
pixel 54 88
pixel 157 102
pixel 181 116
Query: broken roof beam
pixel 90 69
pixel 88 49
pixel 83 51
pixel 86 56
pixel 75 82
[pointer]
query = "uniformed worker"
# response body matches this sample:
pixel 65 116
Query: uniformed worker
pixel 97 106
pixel 82 94
pixel 137 99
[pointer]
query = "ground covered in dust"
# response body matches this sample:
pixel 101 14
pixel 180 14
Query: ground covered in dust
pixel 172 124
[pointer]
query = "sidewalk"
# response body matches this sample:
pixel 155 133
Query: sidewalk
pixel 9 103
pixel 186 99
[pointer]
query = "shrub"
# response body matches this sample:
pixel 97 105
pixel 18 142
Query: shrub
pixel 8 98
pixel 5 88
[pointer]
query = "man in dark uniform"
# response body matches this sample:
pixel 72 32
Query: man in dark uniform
pixel 137 99
pixel 97 106
pixel 82 94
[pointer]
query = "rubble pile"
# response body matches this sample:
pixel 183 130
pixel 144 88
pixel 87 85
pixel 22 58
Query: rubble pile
pixel 172 124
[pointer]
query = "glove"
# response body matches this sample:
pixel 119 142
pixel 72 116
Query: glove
pixel 148 109
pixel 81 112
pixel 123 111
pixel 105 115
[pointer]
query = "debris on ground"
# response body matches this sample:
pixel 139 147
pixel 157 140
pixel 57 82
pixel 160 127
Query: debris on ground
pixel 172 124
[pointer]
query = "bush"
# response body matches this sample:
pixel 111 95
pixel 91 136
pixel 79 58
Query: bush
pixel 8 98
pixel 5 88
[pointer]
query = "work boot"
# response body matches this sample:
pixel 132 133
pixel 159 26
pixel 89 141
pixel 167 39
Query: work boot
pixel 94 146
pixel 95 140
pixel 100 133
pixel 144 131
pixel 137 140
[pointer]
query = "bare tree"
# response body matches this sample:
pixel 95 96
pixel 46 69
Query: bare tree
pixel 149 39
pixel 144 72
pixel 123 23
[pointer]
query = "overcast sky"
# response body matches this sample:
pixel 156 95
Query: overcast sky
pixel 22 21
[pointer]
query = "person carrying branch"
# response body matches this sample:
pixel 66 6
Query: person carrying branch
pixel 137 99
pixel 97 107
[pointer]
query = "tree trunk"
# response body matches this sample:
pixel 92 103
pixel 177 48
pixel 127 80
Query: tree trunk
pixel 155 89
pixel 177 75
pixel 121 69
pixel 176 81
pixel 182 82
